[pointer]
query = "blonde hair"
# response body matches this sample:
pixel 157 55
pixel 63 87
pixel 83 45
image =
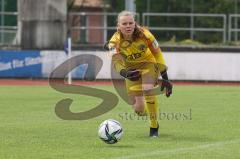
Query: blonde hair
pixel 125 13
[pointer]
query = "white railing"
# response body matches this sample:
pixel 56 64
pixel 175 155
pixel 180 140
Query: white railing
pixel 104 27
pixel 232 28
pixel 7 33
pixel 191 28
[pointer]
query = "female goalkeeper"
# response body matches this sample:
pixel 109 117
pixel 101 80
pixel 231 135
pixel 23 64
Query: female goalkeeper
pixel 140 61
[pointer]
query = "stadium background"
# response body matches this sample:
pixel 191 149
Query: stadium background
pixel 193 38
pixel 199 40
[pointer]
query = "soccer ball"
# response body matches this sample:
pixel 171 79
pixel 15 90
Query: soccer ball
pixel 110 131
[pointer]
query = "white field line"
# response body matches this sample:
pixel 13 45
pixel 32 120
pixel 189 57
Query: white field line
pixel 178 150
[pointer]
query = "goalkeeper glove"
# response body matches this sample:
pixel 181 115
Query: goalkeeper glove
pixel 106 47
pixel 131 74
pixel 166 84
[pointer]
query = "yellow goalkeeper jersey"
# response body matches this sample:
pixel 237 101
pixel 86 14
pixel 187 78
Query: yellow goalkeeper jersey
pixel 144 49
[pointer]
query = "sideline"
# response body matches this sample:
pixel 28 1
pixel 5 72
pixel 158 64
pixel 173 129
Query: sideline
pixel 179 150
pixel 41 82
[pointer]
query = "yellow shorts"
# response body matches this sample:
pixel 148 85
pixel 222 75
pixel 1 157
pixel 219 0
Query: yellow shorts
pixel 149 75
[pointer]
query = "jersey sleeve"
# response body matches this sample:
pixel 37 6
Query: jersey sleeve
pixel 118 62
pixel 114 41
pixel 156 50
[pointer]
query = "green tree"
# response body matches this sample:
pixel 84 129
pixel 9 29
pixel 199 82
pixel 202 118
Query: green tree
pixel 185 6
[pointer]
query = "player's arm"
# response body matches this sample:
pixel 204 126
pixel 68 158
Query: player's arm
pixel 158 55
pixel 112 46
pixel 118 60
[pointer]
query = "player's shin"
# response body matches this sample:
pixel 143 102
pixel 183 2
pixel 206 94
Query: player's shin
pixel 152 107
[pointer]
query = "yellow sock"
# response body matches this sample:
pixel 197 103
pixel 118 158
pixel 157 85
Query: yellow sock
pixel 152 106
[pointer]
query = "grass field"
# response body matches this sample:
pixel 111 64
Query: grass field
pixel 209 126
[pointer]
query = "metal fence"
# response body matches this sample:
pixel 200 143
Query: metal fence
pixel 96 23
pixel 192 28
pixel 107 29
pixel 8 34
pixel 233 19
pixel 81 27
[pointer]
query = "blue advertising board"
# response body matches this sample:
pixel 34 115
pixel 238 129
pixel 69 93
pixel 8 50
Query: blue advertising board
pixel 20 64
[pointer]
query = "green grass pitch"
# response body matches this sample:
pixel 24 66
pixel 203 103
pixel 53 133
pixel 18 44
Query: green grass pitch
pixel 197 122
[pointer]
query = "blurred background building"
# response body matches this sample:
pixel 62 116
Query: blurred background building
pixel 43 24
pixel 85 17
pixel 200 39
